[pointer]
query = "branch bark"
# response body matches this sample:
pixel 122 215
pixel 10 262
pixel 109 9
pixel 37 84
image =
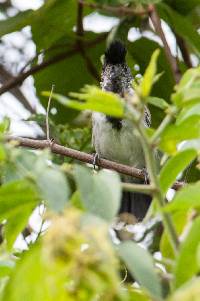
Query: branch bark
pixel 116 10
pixel 158 28
pixel 17 80
pixel 84 157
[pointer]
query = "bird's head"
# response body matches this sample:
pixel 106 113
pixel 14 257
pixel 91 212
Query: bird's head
pixel 116 75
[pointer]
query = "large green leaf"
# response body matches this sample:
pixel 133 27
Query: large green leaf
pixel 100 193
pixel 54 188
pixel 16 23
pixel 190 291
pixel 174 134
pixel 186 263
pixel 174 167
pixel 52 21
pixel 140 264
pixel 185 199
pixel 17 201
pixel 93 99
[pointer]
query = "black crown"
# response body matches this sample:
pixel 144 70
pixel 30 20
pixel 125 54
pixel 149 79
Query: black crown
pixel 115 53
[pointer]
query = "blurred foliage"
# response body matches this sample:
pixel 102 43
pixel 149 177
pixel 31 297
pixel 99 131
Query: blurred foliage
pixel 76 253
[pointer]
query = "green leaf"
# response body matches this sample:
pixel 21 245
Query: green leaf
pixel 6 267
pixel 16 23
pixel 52 21
pixel 157 102
pixel 54 188
pixel 179 219
pixel 190 110
pixel 186 198
pixel 4 125
pixel 149 74
pixel 176 21
pixel 100 193
pixel 190 291
pixel 140 264
pixel 188 88
pixel 17 201
pixel 95 100
pixel 174 134
pixel 16 195
pixel 186 263
pixel 174 167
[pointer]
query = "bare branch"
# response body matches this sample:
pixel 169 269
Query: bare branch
pixel 16 92
pixel 158 28
pixel 84 157
pixel 184 50
pixel 80 43
pixel 117 10
pixel 17 80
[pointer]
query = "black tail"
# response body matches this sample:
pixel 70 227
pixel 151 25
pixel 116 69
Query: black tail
pixel 135 203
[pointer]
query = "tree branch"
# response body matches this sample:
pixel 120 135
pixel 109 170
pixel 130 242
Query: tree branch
pixel 117 10
pixel 80 43
pixel 16 92
pixel 84 157
pixel 184 50
pixel 158 28
pixel 17 80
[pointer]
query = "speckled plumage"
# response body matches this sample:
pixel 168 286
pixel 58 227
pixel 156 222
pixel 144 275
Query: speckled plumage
pixel 115 139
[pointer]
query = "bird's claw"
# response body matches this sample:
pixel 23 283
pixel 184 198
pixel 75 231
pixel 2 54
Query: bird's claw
pixel 146 176
pixel 96 158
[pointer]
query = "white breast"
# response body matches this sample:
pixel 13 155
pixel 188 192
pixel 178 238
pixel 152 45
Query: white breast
pixel 122 146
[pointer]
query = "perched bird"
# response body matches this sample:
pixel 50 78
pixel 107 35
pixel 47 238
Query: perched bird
pixel 114 139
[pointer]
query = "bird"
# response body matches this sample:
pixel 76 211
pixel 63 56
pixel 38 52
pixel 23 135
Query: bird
pixel 115 139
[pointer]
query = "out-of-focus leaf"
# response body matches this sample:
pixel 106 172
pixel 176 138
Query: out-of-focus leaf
pixel 4 125
pixel 54 188
pixel 188 292
pixel 100 193
pixel 176 21
pixel 15 196
pixel 157 102
pixel 94 99
pixel 179 219
pixel 187 91
pixel 6 267
pixel 141 267
pixel 141 51
pixel 186 198
pixel 16 23
pixel 186 263
pixel 174 134
pixel 174 166
pixel 149 74
pixel 17 201
pixel 190 110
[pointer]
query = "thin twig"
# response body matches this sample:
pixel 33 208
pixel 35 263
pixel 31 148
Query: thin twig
pixel 84 157
pixel 17 80
pixel 158 28
pixel 47 114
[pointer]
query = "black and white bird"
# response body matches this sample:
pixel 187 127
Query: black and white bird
pixel 115 139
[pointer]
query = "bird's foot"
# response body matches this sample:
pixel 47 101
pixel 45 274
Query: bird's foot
pixel 51 142
pixel 96 158
pixel 146 176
